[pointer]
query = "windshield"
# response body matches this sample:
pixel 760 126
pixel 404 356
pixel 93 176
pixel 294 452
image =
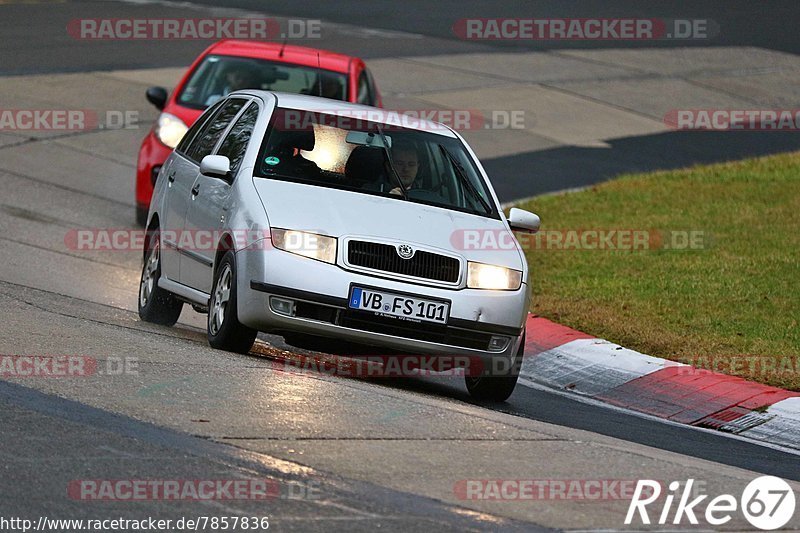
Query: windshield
pixel 355 154
pixel 217 76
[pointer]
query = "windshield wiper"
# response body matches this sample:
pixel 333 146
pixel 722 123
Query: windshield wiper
pixel 462 176
pixel 391 163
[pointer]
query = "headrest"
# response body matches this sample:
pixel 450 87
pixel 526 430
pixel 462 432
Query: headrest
pixel 365 165
pixel 300 139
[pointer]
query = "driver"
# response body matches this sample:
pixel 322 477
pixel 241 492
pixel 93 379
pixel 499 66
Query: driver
pixel 406 163
pixel 326 86
pixel 236 78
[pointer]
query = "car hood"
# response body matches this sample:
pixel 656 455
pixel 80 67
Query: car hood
pixel 340 213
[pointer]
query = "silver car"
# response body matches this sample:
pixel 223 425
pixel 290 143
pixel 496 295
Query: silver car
pixel 304 216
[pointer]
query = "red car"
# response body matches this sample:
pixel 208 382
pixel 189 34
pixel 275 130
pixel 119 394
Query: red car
pixel 230 65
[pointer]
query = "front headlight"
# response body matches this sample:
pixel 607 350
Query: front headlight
pixel 483 276
pixel 319 247
pixel 170 129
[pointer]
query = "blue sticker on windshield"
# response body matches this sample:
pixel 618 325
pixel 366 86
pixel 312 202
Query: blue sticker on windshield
pixel 272 160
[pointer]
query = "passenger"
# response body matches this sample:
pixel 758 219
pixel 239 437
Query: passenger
pixel 366 168
pixel 236 78
pixel 289 160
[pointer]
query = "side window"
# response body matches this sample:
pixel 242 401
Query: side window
pixel 189 135
pixel 207 137
pixel 364 95
pixel 235 144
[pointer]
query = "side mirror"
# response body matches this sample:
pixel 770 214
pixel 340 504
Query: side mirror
pixel 521 220
pixel 216 166
pixel 157 96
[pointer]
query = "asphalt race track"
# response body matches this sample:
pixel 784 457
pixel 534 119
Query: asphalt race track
pixel 343 453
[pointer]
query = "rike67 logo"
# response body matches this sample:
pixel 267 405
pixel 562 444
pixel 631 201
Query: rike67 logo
pixel 767 502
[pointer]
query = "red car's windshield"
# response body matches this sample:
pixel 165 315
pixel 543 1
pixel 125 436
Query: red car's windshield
pixel 218 75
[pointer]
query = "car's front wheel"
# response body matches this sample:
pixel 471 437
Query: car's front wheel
pixel 225 332
pixel 156 304
pixel 496 385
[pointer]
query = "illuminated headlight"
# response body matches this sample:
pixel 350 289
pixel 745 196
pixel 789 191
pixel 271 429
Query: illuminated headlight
pixel 319 247
pixel 170 129
pixel 483 276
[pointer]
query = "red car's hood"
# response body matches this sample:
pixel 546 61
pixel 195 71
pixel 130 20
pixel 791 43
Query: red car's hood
pixel 186 114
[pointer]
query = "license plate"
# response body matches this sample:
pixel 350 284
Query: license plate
pixel 399 306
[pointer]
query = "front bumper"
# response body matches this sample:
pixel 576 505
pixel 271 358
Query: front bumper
pixel 321 293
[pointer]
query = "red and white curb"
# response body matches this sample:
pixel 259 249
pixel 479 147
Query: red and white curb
pixel 567 359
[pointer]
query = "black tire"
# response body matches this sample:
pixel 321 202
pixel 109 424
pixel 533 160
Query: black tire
pixel 491 387
pixel 225 332
pixel 155 304
pixel 141 215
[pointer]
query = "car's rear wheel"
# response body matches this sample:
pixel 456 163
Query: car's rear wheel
pixel 156 304
pixel 225 332
pixel 496 385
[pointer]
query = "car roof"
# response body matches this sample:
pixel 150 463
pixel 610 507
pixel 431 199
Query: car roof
pixel 299 55
pixel 346 109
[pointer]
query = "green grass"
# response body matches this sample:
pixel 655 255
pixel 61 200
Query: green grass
pixel 732 306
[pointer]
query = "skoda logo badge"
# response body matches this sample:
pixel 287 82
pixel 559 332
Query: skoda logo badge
pixel 405 251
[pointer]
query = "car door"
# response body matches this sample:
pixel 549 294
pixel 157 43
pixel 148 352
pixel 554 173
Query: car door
pixel 204 141
pixel 212 198
pixel 180 173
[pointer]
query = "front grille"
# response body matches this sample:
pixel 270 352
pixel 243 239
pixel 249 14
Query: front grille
pixel 384 257
pixel 313 311
pixel 423 331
